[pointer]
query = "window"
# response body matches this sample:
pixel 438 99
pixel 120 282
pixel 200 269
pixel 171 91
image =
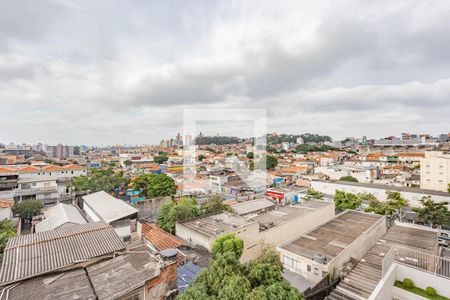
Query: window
pixel 308 267
pixel 324 274
pixel 316 271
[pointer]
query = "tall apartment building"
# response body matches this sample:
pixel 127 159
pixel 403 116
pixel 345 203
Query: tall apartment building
pixel 59 151
pixel 435 171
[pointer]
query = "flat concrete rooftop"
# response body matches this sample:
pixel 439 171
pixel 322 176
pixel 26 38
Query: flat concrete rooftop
pixel 287 213
pixel 334 236
pixel 219 224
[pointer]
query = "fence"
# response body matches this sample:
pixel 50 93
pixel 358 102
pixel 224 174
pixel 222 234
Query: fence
pixel 437 265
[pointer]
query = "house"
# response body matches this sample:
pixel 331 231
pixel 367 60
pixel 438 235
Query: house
pixel 60 215
pixel 326 248
pixel 5 209
pixel 101 206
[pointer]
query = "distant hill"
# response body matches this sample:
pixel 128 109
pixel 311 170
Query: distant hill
pixel 217 140
pixel 292 138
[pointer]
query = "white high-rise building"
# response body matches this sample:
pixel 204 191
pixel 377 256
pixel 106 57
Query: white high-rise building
pixel 435 171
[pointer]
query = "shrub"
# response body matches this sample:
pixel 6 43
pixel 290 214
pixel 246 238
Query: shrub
pixel 408 283
pixel 431 291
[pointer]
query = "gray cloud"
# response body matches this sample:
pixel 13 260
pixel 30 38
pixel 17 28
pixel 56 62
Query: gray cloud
pixel 118 71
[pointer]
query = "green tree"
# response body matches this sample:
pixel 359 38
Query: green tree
pixel 215 205
pixel 268 161
pixel 173 212
pixel 395 203
pixel 76 150
pixel 226 278
pixel 343 201
pixel 160 158
pixel 348 178
pixel 201 157
pixel 228 243
pixel 434 213
pixel 28 208
pixel 376 206
pixel 250 155
pixel 448 190
pixel 313 194
pixel 100 180
pixel 155 185
pixel 7 231
pixel 127 163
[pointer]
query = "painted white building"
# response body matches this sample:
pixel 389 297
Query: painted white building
pixel 48 183
pixel 327 247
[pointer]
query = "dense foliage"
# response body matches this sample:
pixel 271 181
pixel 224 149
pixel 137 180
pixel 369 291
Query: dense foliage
pixel 6 231
pixel 348 178
pixel 127 163
pixel 186 209
pixel 226 279
pixel 343 201
pixel 292 138
pixel 28 208
pixel 434 213
pixel 217 140
pixel 268 162
pixel 313 194
pixel 100 180
pixel 155 185
pixel 160 158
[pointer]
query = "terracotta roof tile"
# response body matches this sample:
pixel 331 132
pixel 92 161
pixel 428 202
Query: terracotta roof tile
pixel 6 203
pixel 159 238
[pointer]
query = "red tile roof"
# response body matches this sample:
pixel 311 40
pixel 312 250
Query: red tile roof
pixel 6 203
pixel 159 238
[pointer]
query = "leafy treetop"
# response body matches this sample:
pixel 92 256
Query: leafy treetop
pixel 28 208
pixel 155 185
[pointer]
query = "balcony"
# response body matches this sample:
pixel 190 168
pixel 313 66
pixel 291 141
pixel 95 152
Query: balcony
pixel 33 191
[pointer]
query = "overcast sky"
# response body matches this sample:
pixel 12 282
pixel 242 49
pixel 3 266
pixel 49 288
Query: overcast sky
pixel 109 72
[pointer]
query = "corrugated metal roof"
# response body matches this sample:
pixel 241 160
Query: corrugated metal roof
pixel 58 215
pixel 29 255
pixel 114 278
pixel 186 275
pixel 107 207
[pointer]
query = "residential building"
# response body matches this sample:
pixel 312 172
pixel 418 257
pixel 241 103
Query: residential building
pixel 101 206
pixel 404 251
pixel 204 231
pixel 285 223
pixel 47 183
pixel 326 248
pixel 435 171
